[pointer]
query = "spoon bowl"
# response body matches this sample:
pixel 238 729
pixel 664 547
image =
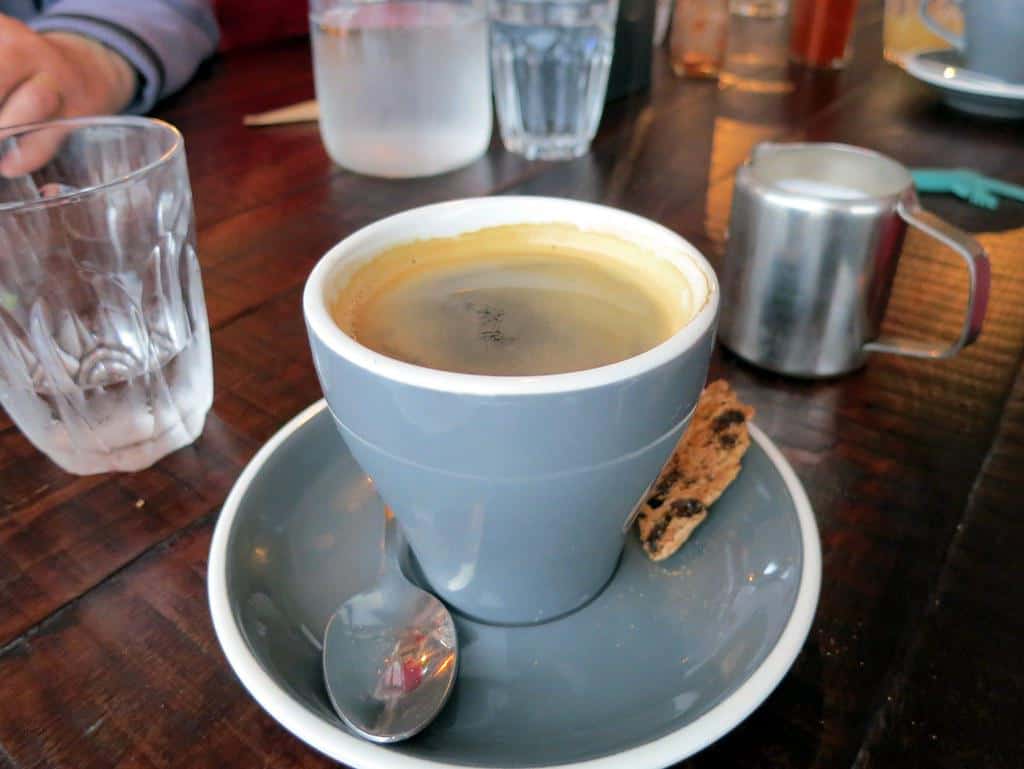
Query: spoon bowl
pixel 390 654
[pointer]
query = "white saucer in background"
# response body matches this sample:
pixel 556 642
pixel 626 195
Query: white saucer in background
pixel 964 89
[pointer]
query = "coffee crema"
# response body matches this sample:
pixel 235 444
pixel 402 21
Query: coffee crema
pixel 514 300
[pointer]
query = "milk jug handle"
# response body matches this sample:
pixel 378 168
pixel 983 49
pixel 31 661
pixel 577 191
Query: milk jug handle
pixel 978 274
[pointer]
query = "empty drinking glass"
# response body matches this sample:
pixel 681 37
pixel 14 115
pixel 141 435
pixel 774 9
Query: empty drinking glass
pixel 700 30
pixel 104 342
pixel 403 85
pixel 550 61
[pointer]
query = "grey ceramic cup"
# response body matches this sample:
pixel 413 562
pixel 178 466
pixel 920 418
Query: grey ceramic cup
pixel 514 493
pixel 993 35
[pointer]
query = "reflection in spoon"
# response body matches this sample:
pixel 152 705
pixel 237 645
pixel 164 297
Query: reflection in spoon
pixel 390 655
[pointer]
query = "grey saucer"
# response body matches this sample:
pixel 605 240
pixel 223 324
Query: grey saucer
pixel 668 658
pixel 965 90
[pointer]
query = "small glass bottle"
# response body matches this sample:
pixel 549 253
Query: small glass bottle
pixel 699 35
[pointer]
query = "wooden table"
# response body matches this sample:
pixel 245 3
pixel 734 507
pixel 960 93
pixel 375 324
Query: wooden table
pixel 915 469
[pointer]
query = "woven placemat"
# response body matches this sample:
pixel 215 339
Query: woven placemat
pixel 930 294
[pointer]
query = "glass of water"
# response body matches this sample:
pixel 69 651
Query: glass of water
pixel 104 341
pixel 403 85
pixel 550 61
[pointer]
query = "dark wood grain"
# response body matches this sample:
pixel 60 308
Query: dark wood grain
pixel 908 440
pixel 953 701
pixel 131 675
pixel 107 656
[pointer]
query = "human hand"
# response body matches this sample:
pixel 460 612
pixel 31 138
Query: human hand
pixel 54 75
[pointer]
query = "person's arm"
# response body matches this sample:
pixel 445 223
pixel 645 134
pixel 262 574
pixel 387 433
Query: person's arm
pixel 163 40
pixel 54 75
pixel 95 57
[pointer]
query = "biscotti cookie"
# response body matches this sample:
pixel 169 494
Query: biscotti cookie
pixel 704 463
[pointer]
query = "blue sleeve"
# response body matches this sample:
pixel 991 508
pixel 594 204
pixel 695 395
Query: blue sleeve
pixel 165 40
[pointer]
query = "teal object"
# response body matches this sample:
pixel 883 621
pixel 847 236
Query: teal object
pixel 968 185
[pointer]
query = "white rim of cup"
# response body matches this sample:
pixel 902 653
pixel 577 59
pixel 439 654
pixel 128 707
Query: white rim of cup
pixel 470 214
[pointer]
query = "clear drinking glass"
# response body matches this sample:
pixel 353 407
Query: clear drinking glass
pixel 757 56
pixel 403 86
pixel 550 61
pixel 104 341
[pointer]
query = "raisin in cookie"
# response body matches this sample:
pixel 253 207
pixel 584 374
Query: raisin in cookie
pixel 704 463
